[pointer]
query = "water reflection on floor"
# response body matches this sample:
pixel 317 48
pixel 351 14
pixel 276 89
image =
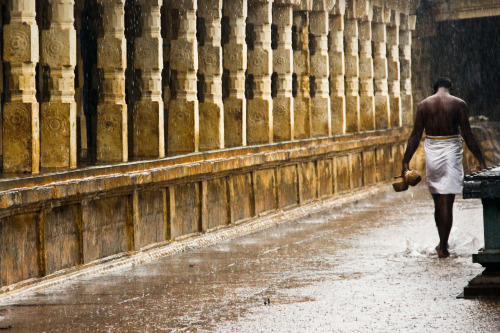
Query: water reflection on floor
pixel 367 267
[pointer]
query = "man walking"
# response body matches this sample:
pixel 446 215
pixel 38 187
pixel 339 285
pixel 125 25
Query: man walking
pixel 444 119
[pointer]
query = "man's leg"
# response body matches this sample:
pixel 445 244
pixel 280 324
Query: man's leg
pixel 443 214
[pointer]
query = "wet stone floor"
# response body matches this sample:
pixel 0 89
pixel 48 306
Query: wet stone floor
pixel 366 267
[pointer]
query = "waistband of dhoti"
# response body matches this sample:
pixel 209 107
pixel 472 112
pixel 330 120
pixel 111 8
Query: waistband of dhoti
pixel 442 137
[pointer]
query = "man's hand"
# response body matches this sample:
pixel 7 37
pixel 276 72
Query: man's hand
pixel 406 166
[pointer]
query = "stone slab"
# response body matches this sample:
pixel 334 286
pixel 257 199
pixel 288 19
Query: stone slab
pixel 19 248
pixel 149 217
pixel 187 209
pixel 216 203
pixel 105 227
pixel 264 190
pixel 241 190
pixel 62 226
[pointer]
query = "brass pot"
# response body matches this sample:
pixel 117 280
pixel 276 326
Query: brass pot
pixel 412 177
pixel 399 184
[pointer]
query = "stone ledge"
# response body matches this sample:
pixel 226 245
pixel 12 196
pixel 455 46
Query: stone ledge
pixel 16 193
pixel 187 242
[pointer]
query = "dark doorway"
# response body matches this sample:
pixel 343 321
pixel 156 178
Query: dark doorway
pixel 468 52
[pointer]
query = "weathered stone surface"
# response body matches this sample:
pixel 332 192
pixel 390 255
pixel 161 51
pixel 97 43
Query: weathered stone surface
pixel 307 182
pixel 369 168
pixel 366 98
pixel 342 174
pixel 183 116
pixel 58 135
pixel 241 191
pixel 21 140
pixel 320 106
pixel 62 227
pixel 260 64
pixel 148 128
pixel 148 115
pixel 393 72
pixel 283 103
pixel 112 132
pixel 149 217
pixel 105 227
pixel 287 186
pixel 235 63
pixel 265 198
pixel 210 66
pixel 301 69
pixel 215 203
pixel 356 166
pixel 405 53
pixel 351 58
pixel 185 209
pixel 337 80
pixel 20 137
pixel 19 248
pixel 325 177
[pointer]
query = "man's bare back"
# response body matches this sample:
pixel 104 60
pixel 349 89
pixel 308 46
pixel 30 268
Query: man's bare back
pixel 442 114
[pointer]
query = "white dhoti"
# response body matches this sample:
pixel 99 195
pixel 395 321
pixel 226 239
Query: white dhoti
pixel 443 159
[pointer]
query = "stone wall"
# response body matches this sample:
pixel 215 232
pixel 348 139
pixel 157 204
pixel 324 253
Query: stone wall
pixel 54 222
pixel 258 105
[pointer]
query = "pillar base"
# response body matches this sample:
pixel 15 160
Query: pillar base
pixel 58 125
pixel 21 145
pixel 112 133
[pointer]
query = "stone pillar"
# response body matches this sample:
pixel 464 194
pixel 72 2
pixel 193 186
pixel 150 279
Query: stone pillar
pixel 380 19
pixel 235 65
pixel 351 73
pixel 337 79
pixel 405 36
pixel 320 104
pixel 183 117
pixel 260 63
pixel 393 70
pixel 366 96
pixel 283 122
pixel 58 116
pixel 301 70
pixel 210 75
pixel 149 135
pixel 21 140
pixel 112 137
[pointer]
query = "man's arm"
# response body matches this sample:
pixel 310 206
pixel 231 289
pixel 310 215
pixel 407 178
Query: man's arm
pixel 414 140
pixel 469 138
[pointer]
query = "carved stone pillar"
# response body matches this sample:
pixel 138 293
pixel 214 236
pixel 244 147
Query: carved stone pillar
pixel 366 98
pixel 260 64
pixel 183 117
pixel 337 80
pixel 405 36
pixel 393 70
pixel 21 140
pixel 112 138
pixel 149 134
pixel 380 19
pixel 351 56
pixel 235 65
pixel 301 70
pixel 58 116
pixel 320 104
pixel 283 122
pixel 210 75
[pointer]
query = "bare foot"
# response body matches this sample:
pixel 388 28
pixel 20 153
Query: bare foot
pixel 442 253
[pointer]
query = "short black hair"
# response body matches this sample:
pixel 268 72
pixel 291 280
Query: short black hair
pixel 443 82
